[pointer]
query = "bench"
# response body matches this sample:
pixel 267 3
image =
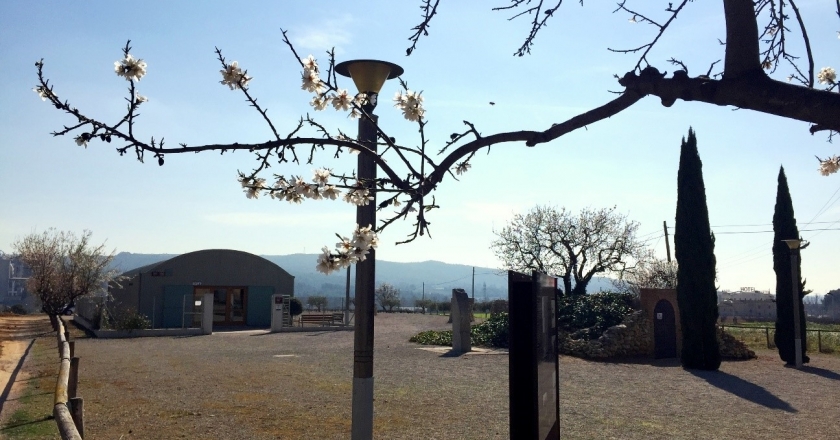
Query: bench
pixel 322 319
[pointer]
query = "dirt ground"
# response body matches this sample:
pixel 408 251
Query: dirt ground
pixel 16 333
pixel 253 385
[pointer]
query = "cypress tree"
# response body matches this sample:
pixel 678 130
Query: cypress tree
pixel 694 248
pixel 784 228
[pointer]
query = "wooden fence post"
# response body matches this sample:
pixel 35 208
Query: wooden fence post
pixel 73 381
pixel 77 412
pixel 72 348
pixel 767 334
pixel 819 341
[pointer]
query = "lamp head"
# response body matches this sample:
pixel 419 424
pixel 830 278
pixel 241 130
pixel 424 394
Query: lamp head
pixel 793 244
pixel 369 75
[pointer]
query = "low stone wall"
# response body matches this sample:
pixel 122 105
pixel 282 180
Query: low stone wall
pixel 138 333
pixel 633 337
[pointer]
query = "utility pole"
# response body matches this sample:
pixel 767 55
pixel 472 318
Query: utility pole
pixel 667 244
pixel 473 284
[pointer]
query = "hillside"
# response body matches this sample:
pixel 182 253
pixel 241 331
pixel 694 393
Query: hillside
pixel 439 278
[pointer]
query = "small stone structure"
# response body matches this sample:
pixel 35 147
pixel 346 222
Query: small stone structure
pixel 633 337
pixel 650 297
pixel 460 314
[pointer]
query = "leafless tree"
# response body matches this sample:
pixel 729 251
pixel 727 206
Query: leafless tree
pixel 650 272
pixel 387 296
pixel 317 302
pixel 64 267
pixel 756 47
pixel 571 246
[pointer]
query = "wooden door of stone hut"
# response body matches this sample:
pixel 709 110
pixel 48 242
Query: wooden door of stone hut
pixel 664 330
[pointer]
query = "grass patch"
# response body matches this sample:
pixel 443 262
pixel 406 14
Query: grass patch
pixel 754 335
pixel 33 418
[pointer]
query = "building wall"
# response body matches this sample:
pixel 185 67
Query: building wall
pixel 158 290
pixel 648 299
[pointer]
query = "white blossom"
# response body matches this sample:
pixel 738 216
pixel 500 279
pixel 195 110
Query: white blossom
pixel 462 167
pixel 354 114
pixel 411 105
pixel 358 196
pixel 130 68
pixel 139 99
pixel 341 100
pixel 633 19
pixel 234 77
pixel 829 166
pixel 294 197
pixel 319 102
pixel 309 63
pixel 81 141
pixel 311 81
pixel 827 75
pixel 322 175
pixel 348 251
pixel 330 192
pixel 252 192
pixel 772 30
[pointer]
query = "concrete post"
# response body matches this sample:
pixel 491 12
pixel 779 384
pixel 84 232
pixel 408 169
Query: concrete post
pixel 277 312
pixel 207 315
pixel 461 342
pixel 797 331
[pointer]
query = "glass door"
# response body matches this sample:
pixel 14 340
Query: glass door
pixel 229 304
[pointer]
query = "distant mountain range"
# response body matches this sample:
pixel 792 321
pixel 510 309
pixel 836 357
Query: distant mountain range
pixel 439 278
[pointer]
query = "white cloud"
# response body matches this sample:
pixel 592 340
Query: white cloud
pixel 325 35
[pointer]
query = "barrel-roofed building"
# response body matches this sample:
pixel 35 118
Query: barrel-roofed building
pixel 168 292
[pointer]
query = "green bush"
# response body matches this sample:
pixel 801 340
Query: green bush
pixel 493 332
pixel 131 320
pixel 587 316
pixel 18 309
pixel 295 307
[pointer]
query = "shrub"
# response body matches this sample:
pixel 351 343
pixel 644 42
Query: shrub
pixel 587 316
pixel 131 320
pixel 494 332
pixel 295 307
pixel 18 309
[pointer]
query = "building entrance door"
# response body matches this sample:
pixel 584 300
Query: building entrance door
pixel 229 303
pixel 664 330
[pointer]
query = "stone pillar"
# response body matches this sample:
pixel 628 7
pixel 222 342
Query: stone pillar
pixel 207 315
pixel 460 315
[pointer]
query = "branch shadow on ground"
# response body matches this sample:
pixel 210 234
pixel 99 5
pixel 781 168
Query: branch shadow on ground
pixel 828 374
pixel 743 389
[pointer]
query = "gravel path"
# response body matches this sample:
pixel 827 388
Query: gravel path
pixel 251 385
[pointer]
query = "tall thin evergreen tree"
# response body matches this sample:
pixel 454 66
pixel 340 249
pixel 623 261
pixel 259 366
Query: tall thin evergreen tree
pixel 784 228
pixel 694 248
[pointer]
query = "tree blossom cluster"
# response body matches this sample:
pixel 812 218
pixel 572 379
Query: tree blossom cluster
pixel 296 189
pixel 234 77
pixel 411 104
pixel 348 251
pixel 827 75
pixel 830 165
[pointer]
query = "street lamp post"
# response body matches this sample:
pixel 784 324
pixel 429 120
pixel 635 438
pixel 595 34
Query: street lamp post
pixel 369 76
pixel 794 246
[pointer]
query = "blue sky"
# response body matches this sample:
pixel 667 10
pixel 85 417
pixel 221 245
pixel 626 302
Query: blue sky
pixel 194 201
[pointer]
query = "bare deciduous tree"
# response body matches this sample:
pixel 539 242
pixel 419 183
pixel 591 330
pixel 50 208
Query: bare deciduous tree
pixel 571 246
pixel 318 302
pixel 388 297
pixel 650 272
pixel 64 267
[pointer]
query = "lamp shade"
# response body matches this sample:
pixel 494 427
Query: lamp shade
pixel 793 244
pixel 369 75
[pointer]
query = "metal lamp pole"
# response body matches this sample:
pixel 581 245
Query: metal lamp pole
pixel 369 76
pixel 794 246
